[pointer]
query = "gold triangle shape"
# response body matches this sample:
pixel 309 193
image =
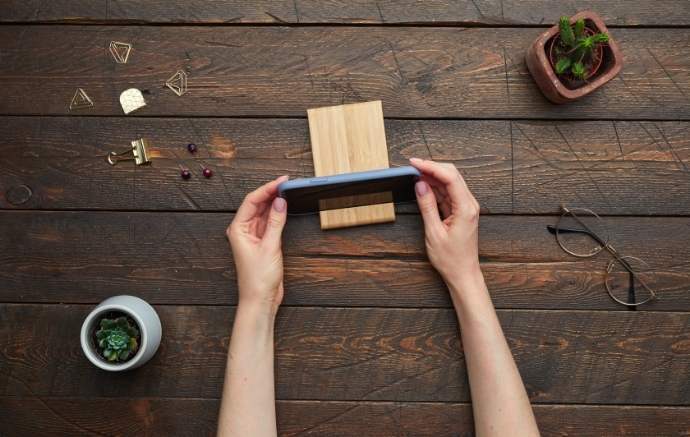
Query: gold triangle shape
pixel 120 51
pixel 178 82
pixel 81 100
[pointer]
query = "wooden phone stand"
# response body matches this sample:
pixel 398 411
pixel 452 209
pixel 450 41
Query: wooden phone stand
pixel 344 139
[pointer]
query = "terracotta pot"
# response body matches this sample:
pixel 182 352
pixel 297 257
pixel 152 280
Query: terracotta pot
pixel 544 75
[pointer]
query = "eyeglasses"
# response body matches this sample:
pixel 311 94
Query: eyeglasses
pixel 582 233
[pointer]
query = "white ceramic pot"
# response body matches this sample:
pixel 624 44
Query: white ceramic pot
pixel 149 327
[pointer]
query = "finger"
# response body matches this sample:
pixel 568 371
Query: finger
pixel 427 206
pixel 261 221
pixel 443 203
pixel 433 182
pixel 439 189
pixel 449 176
pixel 443 172
pixel 441 200
pixel 251 204
pixel 277 217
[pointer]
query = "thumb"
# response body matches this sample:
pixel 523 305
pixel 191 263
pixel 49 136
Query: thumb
pixel 276 220
pixel 428 207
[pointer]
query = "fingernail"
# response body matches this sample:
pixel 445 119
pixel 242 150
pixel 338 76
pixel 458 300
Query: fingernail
pixel 279 204
pixel 415 160
pixel 283 178
pixel 421 188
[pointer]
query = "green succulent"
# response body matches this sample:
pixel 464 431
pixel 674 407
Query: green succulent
pixel 576 48
pixel 117 339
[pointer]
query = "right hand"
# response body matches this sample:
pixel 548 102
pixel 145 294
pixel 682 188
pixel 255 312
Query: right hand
pixel 451 240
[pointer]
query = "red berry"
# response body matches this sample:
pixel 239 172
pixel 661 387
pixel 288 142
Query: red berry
pixel 186 174
pixel 208 173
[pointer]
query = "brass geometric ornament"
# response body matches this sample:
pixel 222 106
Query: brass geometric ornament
pixel 81 100
pixel 178 82
pixel 120 51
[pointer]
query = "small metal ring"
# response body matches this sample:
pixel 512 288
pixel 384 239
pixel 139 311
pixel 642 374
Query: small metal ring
pixel 109 158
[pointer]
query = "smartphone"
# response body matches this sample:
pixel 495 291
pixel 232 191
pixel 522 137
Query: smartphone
pixel 349 190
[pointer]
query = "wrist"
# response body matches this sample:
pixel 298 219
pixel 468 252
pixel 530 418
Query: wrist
pixel 465 285
pixel 261 299
pixel 252 326
pixel 259 311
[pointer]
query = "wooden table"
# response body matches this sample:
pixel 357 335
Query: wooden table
pixel 367 343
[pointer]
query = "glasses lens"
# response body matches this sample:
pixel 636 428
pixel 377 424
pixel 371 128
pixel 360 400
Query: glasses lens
pixel 581 232
pixel 627 288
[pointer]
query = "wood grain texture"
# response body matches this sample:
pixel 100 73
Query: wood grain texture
pixel 346 139
pixel 615 168
pixel 197 417
pixel 59 163
pixel 271 71
pixel 362 354
pixel 597 164
pixel 516 12
pixel 85 257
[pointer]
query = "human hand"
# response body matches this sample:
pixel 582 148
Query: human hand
pixel 451 240
pixel 254 236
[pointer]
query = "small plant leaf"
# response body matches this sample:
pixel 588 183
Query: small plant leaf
pixel 580 53
pixel 566 32
pixel 117 339
pixel 600 38
pixel 107 323
pixel 579 70
pixel 562 65
pixel 579 28
pixel 132 331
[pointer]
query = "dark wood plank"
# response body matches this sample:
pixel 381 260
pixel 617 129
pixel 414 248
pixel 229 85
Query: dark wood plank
pixel 60 162
pixel 362 354
pixel 54 10
pixel 112 417
pixel 84 257
pixel 618 12
pixel 198 417
pixel 610 166
pixel 615 168
pixel 416 72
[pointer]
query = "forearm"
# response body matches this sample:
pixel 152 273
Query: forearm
pixel 499 401
pixel 248 405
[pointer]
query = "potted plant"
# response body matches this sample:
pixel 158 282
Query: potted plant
pixel 122 332
pixel 574 58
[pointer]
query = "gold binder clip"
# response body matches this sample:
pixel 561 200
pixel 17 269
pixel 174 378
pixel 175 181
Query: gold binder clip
pixel 138 152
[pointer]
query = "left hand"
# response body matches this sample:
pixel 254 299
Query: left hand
pixel 254 236
pixel 451 240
